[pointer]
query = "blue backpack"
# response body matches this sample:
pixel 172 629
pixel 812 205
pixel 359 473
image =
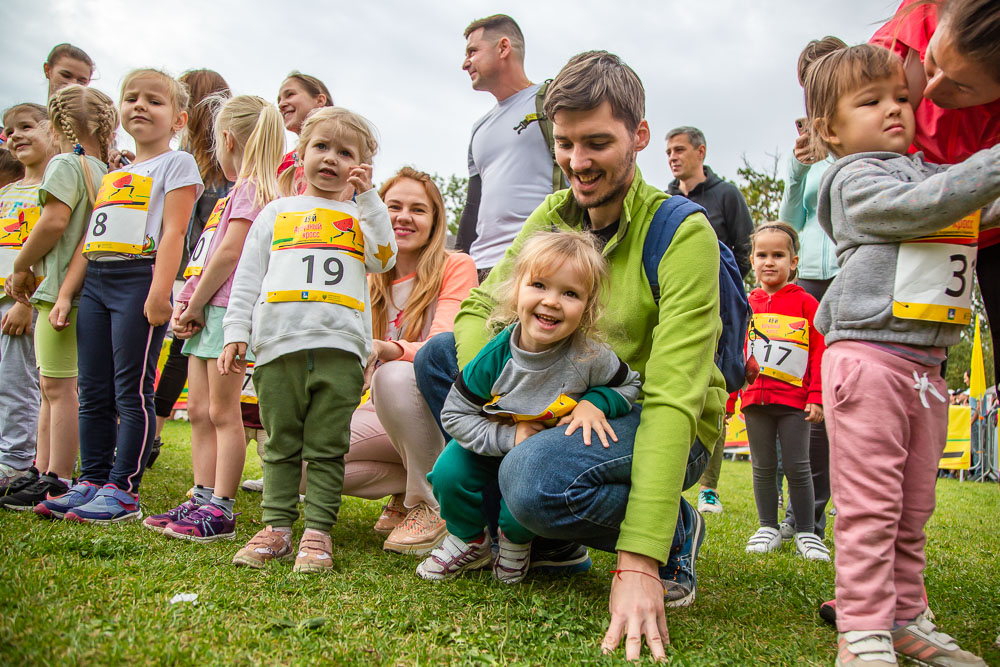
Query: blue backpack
pixel 733 306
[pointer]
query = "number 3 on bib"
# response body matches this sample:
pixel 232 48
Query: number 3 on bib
pixel 934 274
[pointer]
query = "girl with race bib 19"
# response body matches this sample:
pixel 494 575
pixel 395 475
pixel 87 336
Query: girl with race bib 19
pixel 300 301
pixel 249 139
pixel 786 396
pixel 906 234
pixel 130 254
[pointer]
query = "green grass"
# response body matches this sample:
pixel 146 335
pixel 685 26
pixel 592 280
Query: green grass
pixel 89 594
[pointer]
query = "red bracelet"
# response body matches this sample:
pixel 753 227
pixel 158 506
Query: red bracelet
pixel 619 573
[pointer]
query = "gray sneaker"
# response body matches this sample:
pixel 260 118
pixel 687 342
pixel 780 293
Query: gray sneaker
pixel 787 531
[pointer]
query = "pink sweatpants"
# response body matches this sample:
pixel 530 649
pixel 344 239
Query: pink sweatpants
pixel 884 452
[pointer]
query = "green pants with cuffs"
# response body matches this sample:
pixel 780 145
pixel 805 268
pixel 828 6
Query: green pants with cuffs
pixel 458 479
pixel 306 399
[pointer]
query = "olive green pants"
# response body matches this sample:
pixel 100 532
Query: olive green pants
pixel 710 478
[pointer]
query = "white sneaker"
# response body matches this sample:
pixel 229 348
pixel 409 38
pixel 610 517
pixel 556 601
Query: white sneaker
pixel 865 648
pixel 708 502
pixel 511 563
pixel 764 540
pixel 453 556
pixel 922 642
pixel 811 547
pixel 253 485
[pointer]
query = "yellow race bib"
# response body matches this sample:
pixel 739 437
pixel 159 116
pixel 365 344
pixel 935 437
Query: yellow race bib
pixel 200 253
pixel 118 223
pixel 559 408
pixel 785 356
pixel 13 232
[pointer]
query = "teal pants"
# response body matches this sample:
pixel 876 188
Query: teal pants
pixel 458 479
pixel 306 399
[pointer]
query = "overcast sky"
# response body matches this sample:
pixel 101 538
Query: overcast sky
pixel 725 66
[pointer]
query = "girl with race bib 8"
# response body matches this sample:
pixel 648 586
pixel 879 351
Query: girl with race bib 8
pixel 300 302
pixel 786 397
pixel 83 121
pixel 130 255
pixel 906 234
pixel 249 140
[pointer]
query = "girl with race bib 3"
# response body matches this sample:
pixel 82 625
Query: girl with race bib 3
pixel 786 397
pixel 129 257
pixel 906 234
pixel 83 121
pixel 300 301
pixel 249 139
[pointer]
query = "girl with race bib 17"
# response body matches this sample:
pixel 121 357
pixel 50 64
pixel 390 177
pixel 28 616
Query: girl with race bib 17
pixel 786 396
pixel 300 301
pixel 906 234
pixel 130 255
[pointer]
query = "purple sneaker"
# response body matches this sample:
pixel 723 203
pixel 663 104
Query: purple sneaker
pixel 158 522
pixel 55 507
pixel 109 505
pixel 207 523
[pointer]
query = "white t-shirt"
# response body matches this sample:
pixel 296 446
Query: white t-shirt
pixel 516 172
pixel 119 193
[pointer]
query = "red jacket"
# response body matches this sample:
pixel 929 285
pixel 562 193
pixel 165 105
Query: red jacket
pixel 793 301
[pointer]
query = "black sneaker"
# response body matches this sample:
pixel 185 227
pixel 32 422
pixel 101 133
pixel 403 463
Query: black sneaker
pixel 154 452
pixel 41 489
pixel 21 482
pixel 559 557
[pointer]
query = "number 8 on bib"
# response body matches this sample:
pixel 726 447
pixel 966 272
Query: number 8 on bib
pixel 118 223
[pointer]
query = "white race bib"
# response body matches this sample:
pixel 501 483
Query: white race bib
pixel 196 264
pixel 13 232
pixel 934 274
pixel 118 223
pixel 785 356
pixel 248 394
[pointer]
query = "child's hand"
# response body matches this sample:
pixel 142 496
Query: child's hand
pixel 233 359
pixel 59 315
pixel 190 321
pixel 360 178
pixel 815 413
pixel 20 285
pixel 17 321
pixel 524 430
pixel 725 422
pixel 588 416
pixel 157 310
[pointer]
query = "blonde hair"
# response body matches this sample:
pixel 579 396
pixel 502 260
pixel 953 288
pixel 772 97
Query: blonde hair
pixel 259 136
pixel 79 112
pixel 179 96
pixel 539 255
pixel 836 74
pixel 352 125
pixel 430 267
pixel 793 240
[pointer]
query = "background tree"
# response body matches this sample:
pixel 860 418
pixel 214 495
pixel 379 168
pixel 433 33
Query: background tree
pixel 453 189
pixel 762 190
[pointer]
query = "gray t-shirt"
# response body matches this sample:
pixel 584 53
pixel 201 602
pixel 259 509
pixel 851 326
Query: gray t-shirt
pixel 516 172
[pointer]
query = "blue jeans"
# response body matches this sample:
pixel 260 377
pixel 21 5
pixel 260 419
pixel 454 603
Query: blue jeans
pixel 553 484
pixel 118 350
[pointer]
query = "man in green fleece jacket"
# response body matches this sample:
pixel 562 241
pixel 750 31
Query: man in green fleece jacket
pixel 552 483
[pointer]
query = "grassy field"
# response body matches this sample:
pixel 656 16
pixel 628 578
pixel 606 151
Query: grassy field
pixel 100 595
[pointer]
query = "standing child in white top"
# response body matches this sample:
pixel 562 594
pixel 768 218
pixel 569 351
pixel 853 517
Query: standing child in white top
pixel 131 253
pixel 301 291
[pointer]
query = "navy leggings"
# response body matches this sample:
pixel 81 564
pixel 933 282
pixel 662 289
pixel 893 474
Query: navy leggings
pixel 118 350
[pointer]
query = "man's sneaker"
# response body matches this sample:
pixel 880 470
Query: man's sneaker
pixel 811 547
pixel 559 557
pixel 9 476
pixel 511 563
pixel 315 553
pixel 865 648
pixel 787 531
pixel 56 507
pixel 708 502
pixel 206 523
pixel 392 515
pixel 109 505
pixel 765 540
pixel 154 452
pixel 268 544
pixel 454 557
pixel 26 498
pixel 29 477
pixel 157 522
pixel 921 641
pixel 253 485
pixel 678 575
pixel 421 530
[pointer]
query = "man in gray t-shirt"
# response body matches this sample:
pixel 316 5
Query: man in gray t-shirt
pixel 510 163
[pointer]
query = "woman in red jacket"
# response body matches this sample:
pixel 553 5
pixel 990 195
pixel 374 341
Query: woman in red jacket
pixel 787 396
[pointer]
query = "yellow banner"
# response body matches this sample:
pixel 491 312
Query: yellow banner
pixel 319 228
pixel 958 449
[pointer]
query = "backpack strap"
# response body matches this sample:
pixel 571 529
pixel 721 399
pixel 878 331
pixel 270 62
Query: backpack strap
pixel 668 217
pixel 545 125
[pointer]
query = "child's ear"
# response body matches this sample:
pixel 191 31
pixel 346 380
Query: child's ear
pixel 230 141
pixel 826 132
pixel 180 121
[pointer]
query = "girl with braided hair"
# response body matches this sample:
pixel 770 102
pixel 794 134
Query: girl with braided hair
pixel 83 122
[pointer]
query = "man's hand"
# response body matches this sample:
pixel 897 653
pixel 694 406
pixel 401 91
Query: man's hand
pixel 17 321
pixel 589 417
pixel 524 430
pixel 636 606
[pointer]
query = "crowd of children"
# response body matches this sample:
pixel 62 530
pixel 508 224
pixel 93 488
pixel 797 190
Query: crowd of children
pixel 278 277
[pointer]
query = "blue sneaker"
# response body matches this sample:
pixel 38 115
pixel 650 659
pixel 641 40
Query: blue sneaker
pixel 708 502
pixel 679 582
pixel 109 505
pixel 55 507
pixel 559 557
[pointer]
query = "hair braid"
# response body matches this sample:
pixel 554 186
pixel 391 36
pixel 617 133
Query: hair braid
pixel 59 114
